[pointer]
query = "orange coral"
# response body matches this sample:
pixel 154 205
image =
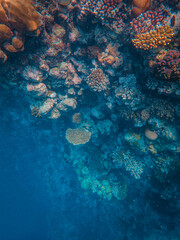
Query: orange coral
pixel 5 33
pixel 78 136
pixel 17 17
pixel 161 36
pixel 22 14
pixel 140 6
pixel 110 56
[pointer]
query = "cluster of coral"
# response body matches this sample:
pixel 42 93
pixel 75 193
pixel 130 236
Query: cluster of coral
pixel 110 70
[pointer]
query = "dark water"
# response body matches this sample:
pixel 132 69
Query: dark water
pixel 41 197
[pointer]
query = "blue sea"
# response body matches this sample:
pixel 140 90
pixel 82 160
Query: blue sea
pixel 89 120
pixel 41 197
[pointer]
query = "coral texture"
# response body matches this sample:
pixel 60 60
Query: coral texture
pixel 97 80
pixel 17 18
pixel 162 36
pixel 140 6
pixel 78 136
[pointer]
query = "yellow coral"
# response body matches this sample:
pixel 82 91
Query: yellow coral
pixel 161 36
pixel 78 136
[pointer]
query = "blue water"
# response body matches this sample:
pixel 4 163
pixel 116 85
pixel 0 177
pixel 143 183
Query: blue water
pixel 41 197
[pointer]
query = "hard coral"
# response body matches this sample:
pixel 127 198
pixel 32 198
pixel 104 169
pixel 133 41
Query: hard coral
pixel 78 136
pixel 147 21
pixel 111 56
pixel 17 17
pixel 140 6
pixel 161 36
pixel 97 80
pixel 103 9
pixel 22 15
pixel 168 66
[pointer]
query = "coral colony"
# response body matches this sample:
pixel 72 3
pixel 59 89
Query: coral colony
pixel 111 68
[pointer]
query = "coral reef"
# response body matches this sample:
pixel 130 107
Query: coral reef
pixel 118 105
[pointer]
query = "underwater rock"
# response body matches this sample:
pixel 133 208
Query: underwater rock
pixel 37 90
pixel 46 106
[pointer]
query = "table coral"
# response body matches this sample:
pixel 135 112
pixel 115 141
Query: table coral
pixel 78 136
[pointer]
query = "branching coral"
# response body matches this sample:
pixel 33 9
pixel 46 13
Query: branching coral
pixel 102 8
pixel 161 36
pixel 168 65
pixel 126 159
pixel 97 80
pixel 147 21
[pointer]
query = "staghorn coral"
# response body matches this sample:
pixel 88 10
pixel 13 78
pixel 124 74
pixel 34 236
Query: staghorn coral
pixel 78 136
pixel 97 81
pixel 161 36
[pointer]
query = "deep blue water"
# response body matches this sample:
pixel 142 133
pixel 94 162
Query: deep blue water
pixel 41 197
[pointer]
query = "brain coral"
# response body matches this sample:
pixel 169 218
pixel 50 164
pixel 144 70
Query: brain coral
pixel 78 136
